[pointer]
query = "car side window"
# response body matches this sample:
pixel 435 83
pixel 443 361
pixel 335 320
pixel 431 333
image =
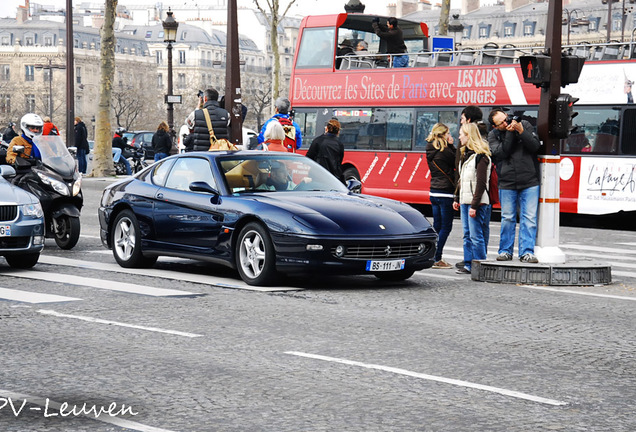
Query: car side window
pixel 187 170
pixel 160 172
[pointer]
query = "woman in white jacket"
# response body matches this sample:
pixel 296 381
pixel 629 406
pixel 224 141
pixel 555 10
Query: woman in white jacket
pixel 471 196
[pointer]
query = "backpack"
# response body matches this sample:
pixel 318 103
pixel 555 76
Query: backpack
pixel 290 133
pixel 493 185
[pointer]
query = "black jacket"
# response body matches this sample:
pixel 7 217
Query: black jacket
pixel 442 167
pixel 328 151
pixel 220 124
pixel 119 142
pixel 515 156
pixel 393 37
pixel 161 142
pixel 81 134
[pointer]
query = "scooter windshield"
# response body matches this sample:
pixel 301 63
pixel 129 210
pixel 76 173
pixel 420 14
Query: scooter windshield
pixel 55 155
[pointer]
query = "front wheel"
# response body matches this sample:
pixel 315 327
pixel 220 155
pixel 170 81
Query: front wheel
pixel 24 261
pixel 66 230
pixel 255 257
pixel 394 276
pixel 126 242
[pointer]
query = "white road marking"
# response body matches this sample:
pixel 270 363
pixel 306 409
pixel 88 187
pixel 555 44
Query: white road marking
pixel 610 296
pixel 89 236
pixel 452 381
pixel 32 297
pixel 598 248
pixel 45 402
pixel 165 274
pixel 98 283
pixel 115 323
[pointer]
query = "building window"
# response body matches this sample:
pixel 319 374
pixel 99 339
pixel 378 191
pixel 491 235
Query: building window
pixel 5 104
pixel 159 57
pixel 184 35
pixel 48 41
pixel 593 24
pixel 120 78
pixel 182 57
pixel 78 75
pixel 617 23
pixel 29 105
pixel 46 73
pixel 6 72
pixel 29 40
pixel 6 40
pixel 528 28
pixel 160 34
pixel 484 31
pixel 29 73
pixel 181 80
pixel 467 32
pixel 78 104
pixel 148 34
pixel 509 30
pixel 159 81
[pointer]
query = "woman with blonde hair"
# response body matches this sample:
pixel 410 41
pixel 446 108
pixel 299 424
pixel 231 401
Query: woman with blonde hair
pixel 440 154
pixel 472 195
pixel 274 137
pixel 161 142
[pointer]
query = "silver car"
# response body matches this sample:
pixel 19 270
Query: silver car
pixel 21 223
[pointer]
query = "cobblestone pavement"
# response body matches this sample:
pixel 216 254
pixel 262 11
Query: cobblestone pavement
pixel 436 353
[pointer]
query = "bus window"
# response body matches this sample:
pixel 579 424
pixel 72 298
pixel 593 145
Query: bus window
pixel 399 129
pixel 594 130
pixel 628 138
pixel 427 119
pixel 316 48
pixel 356 129
pixel 307 123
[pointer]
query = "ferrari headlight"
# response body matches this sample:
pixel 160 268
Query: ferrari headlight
pixel 77 186
pixel 58 186
pixel 32 210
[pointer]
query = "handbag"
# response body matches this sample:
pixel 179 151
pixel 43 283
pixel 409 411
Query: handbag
pixel 216 144
pixel 493 185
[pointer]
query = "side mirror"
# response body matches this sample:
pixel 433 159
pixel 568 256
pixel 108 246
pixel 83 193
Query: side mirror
pixel 7 171
pixel 18 149
pixel 354 185
pixel 203 187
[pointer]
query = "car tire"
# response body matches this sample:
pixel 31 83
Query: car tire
pixel 394 276
pixel 351 173
pixel 23 261
pixel 255 256
pixel 67 231
pixel 126 242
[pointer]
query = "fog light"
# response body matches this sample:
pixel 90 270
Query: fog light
pixel 421 248
pixel 38 240
pixel 340 251
pixel 312 247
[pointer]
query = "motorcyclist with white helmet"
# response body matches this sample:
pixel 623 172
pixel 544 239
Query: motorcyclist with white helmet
pixel 31 125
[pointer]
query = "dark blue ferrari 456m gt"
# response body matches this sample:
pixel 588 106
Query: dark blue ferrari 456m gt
pixel 262 213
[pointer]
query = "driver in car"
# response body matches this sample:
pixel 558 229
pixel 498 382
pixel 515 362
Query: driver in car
pixel 279 179
pixel 31 125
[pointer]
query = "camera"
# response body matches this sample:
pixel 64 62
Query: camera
pixel 512 118
pixel 200 93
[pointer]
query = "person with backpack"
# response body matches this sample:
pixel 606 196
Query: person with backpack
pixel 49 127
pixel 219 122
pixel 293 134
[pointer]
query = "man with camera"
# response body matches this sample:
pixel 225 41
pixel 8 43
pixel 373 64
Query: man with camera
pixel 196 121
pixel 514 148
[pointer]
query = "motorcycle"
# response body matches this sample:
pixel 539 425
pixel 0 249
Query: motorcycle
pixel 136 156
pixel 57 183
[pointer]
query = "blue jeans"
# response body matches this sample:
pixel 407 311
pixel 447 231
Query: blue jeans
pixel 528 202
pixel 474 233
pixel 159 156
pixel 401 61
pixel 82 165
pixel 442 221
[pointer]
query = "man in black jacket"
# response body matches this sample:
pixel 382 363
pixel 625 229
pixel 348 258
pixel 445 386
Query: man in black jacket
pixel 514 149
pixel 392 34
pixel 219 118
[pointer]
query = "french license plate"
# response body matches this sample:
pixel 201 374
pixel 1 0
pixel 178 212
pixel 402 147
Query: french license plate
pixel 5 230
pixel 390 265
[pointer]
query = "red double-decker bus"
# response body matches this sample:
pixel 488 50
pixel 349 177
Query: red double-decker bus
pixel 386 113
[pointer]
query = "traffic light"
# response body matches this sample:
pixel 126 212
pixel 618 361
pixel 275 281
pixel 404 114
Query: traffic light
pixel 535 69
pixel 561 124
pixel 571 66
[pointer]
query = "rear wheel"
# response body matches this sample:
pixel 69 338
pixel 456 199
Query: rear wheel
pixel 23 261
pixel 255 258
pixel 351 173
pixel 66 230
pixel 126 242
pixel 394 276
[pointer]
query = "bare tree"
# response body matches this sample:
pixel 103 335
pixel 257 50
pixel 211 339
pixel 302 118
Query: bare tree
pixel 443 18
pixel 274 18
pixel 102 157
pixel 258 96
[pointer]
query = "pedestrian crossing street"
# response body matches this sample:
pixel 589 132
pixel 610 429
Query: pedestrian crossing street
pixel 621 256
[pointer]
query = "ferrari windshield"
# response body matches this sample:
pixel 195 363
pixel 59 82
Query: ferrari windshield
pixel 275 171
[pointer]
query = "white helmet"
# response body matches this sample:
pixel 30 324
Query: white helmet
pixel 31 121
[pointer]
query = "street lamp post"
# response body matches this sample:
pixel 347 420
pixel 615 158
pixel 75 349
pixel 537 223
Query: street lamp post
pixel 578 21
pixel 50 66
pixel 170 27
pixel 456 28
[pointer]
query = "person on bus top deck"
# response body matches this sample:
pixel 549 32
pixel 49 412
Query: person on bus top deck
pixel 31 125
pixel 282 106
pixel 514 150
pixel 344 49
pixel 394 38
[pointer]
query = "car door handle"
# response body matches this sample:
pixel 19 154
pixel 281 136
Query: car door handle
pixel 160 196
